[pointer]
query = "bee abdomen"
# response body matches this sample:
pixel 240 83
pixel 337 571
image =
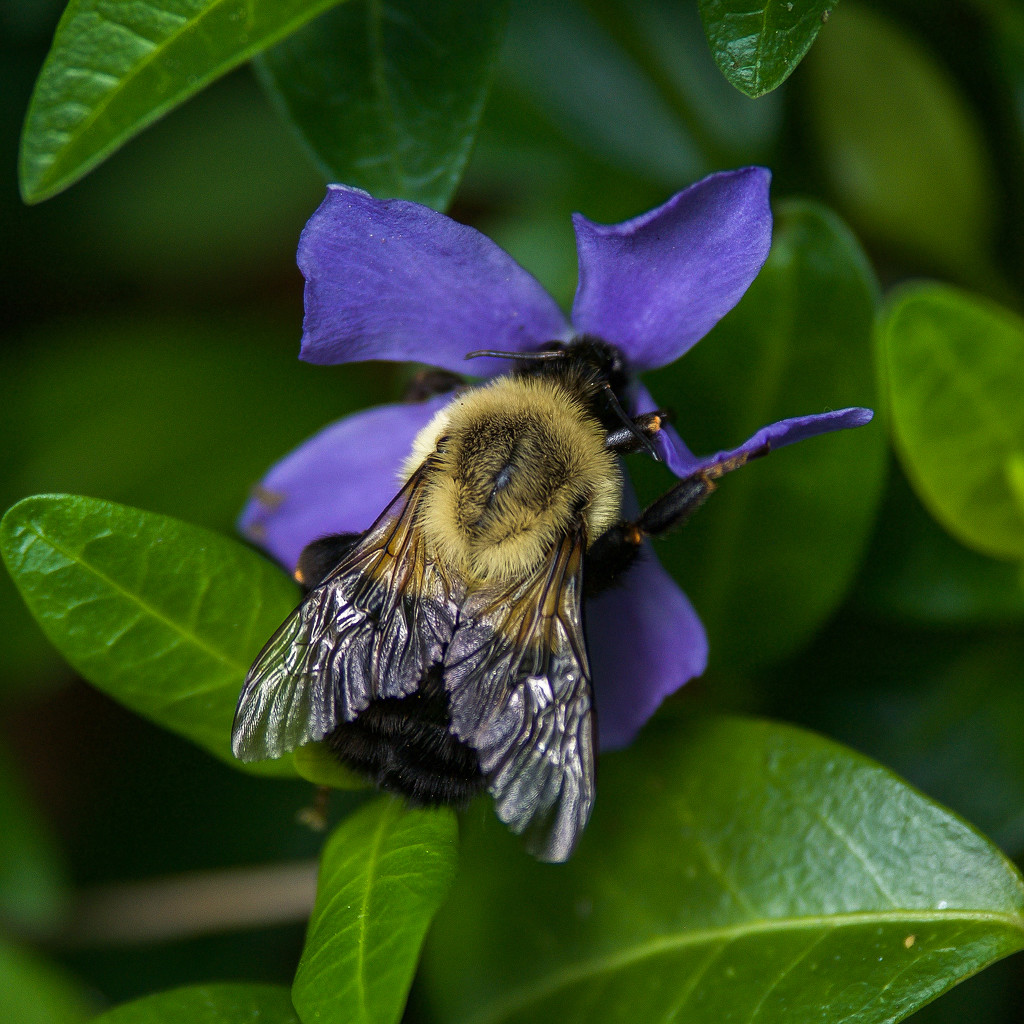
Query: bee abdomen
pixel 403 744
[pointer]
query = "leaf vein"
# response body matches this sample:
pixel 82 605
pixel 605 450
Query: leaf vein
pixel 695 979
pixel 372 865
pixel 711 860
pixel 144 606
pixel 852 846
pixel 572 974
pixel 777 980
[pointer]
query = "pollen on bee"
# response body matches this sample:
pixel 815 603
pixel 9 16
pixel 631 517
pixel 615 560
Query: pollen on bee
pixel 271 500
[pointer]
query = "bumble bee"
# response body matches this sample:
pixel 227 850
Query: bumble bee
pixel 442 652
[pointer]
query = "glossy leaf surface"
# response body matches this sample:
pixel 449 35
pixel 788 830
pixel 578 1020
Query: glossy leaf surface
pixel 954 364
pixel 733 870
pixel 773 551
pixel 162 616
pixel 388 96
pixel 114 68
pixel 207 1004
pixel 383 874
pixel 758 43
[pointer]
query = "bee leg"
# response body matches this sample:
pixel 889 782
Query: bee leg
pixel 617 548
pixel 614 552
pixel 634 437
pixel 429 383
pixel 319 558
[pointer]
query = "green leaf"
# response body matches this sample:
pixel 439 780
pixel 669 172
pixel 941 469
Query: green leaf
pixel 31 875
pixel 992 996
pixel 162 616
pixel 776 548
pixel 733 870
pixel 207 1004
pixel 36 992
pixel 954 365
pixel 113 69
pixel 758 43
pixel 383 874
pixel 1015 480
pixel 388 95
pixel 905 156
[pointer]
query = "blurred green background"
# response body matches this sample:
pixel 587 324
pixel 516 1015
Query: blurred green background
pixel 152 317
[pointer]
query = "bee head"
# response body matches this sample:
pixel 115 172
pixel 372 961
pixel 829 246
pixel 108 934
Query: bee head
pixel 512 467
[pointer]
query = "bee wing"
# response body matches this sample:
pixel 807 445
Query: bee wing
pixel 371 629
pixel 519 691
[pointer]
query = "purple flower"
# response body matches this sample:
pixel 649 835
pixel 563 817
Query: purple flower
pixel 395 280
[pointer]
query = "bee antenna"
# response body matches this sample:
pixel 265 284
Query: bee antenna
pixel 554 353
pixel 613 401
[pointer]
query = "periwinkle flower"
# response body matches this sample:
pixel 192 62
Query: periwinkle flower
pixel 394 280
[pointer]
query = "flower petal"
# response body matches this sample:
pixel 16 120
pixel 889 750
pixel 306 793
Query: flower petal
pixel 390 279
pixel 338 481
pixel 683 462
pixel 655 285
pixel 645 641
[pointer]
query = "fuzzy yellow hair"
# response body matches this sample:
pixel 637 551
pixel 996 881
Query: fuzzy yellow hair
pixel 515 464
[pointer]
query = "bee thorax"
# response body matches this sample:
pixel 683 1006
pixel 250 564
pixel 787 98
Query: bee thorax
pixel 513 466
